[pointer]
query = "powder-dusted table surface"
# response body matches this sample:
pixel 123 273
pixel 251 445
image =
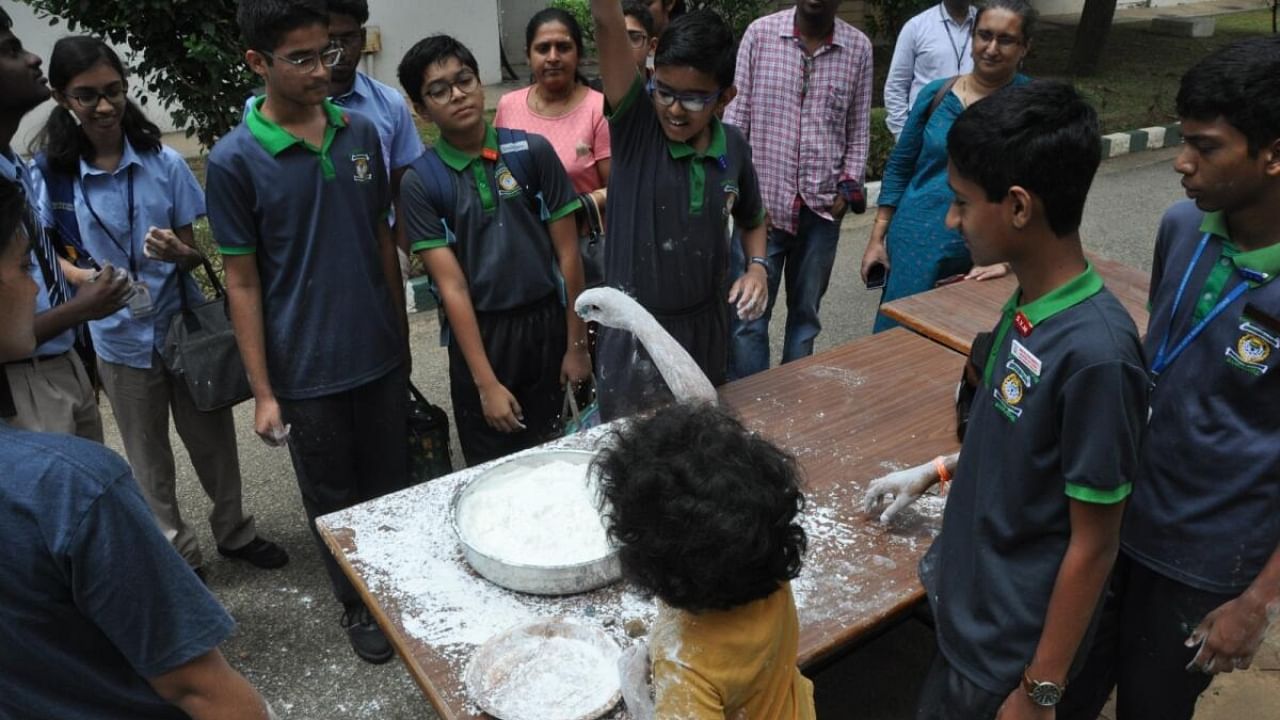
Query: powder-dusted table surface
pixel 954 314
pixel 850 415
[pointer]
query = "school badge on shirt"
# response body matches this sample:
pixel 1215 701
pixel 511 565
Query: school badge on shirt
pixel 1254 348
pixel 508 187
pixel 364 171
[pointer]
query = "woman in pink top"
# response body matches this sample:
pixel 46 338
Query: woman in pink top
pixel 559 106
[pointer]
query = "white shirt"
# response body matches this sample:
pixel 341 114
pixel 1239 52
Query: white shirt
pixel 931 46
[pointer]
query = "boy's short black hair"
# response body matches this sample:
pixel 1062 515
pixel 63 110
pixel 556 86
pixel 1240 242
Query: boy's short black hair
pixel 428 52
pixel 264 23
pixel 1240 84
pixel 701 40
pixel 357 9
pixel 13 207
pixel 703 511
pixel 639 9
pixel 6 22
pixel 1041 136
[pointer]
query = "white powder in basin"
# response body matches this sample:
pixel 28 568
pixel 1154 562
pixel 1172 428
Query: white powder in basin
pixel 552 678
pixel 540 516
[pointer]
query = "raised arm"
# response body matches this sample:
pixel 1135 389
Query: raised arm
pixel 617 68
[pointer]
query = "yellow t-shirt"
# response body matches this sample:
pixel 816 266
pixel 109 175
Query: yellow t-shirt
pixel 730 665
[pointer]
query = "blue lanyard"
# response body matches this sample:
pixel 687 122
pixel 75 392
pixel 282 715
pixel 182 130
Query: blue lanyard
pixel 1164 356
pixel 129 254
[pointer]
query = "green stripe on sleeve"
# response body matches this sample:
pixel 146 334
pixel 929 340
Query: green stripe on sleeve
pixel 570 208
pixel 758 220
pixel 1094 496
pixel 428 245
pixel 236 250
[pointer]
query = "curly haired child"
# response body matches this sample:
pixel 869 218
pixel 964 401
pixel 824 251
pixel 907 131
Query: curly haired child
pixel 705 516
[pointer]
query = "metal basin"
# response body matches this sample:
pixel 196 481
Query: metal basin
pixel 533 579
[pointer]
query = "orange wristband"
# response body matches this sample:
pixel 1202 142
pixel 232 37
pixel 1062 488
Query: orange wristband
pixel 944 477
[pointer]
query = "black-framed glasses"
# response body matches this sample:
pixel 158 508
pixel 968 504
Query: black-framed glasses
pixel 441 91
pixel 986 37
pixel 637 38
pixel 691 102
pixel 308 63
pixel 88 98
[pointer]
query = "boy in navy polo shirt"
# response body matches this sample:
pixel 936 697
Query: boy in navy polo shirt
pixel 1198 580
pixel 1032 525
pixel 678 175
pixel 298 201
pixel 497 235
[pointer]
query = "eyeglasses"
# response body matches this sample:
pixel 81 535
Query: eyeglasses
pixel 691 102
pixel 986 37
pixel 440 92
pixel 308 63
pixel 88 98
pixel 637 38
pixel 348 40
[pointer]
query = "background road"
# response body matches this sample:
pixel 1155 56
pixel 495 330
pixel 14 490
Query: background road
pixel 289 643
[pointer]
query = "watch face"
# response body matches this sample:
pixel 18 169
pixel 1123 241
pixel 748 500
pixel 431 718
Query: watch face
pixel 1046 694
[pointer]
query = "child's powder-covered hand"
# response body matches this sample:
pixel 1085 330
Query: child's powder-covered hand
pixel 905 485
pixel 633 672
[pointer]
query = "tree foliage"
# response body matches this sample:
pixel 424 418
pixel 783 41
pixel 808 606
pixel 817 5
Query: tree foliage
pixel 885 18
pixel 187 52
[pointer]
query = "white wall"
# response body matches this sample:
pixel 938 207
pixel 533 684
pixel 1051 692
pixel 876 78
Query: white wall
pixel 401 23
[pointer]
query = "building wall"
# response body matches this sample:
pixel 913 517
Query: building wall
pixel 400 24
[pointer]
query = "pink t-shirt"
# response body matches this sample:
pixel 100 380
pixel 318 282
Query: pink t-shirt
pixel 580 137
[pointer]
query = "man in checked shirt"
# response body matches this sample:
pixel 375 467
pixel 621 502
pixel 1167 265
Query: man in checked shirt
pixel 804 104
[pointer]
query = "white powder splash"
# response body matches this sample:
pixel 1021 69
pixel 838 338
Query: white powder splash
pixel 539 516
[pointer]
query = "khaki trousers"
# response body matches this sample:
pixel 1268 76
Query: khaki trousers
pixel 141 401
pixel 54 395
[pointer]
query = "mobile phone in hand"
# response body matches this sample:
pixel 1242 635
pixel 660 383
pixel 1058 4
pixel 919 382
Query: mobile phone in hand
pixel 876 276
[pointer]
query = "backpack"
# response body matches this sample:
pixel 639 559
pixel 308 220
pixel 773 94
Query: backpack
pixel 62 204
pixel 438 180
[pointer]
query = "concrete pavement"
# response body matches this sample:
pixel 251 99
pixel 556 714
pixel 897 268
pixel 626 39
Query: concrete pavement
pixel 290 646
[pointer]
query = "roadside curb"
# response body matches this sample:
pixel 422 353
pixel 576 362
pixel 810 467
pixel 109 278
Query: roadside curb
pixel 1113 145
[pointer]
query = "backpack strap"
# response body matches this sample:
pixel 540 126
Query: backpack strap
pixel 62 205
pixel 438 182
pixel 938 97
pixel 513 146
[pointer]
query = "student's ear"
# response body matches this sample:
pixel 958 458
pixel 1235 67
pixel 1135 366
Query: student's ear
pixel 422 111
pixel 257 62
pixel 1270 158
pixel 726 97
pixel 1021 207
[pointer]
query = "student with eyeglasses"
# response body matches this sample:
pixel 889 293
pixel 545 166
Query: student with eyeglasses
pixel 135 201
pixel 491 215
pixel 299 198
pixel 910 241
pixel 679 174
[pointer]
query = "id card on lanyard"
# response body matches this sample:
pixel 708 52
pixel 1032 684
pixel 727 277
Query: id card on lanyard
pixel 140 304
pixel 1164 355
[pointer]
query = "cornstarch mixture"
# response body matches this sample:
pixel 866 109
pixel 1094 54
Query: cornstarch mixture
pixel 553 677
pixel 536 516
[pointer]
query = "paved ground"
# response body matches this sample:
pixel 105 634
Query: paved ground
pixel 289 643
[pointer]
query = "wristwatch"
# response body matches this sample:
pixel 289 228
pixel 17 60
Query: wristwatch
pixel 1044 694
pixel 761 261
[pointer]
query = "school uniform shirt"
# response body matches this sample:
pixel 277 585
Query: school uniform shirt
pixel 498 234
pixel 165 195
pixel 310 216
pixel 94 600
pixel 668 247
pixel 13 169
pixel 1058 418
pixel 736 663
pixel 1206 512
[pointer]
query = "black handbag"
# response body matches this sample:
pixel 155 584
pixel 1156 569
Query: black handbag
pixel 428 439
pixel 201 349
pixel 591 245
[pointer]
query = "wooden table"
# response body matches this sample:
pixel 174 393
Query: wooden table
pixel 850 415
pixel 954 314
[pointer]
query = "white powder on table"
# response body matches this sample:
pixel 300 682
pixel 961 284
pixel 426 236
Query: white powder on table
pixel 551 678
pixel 542 516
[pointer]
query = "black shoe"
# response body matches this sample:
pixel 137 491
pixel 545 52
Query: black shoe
pixel 366 637
pixel 259 553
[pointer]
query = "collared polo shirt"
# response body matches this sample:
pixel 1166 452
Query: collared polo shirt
pixel 498 233
pixel 15 170
pixel 669 208
pixel 166 195
pixel 310 216
pixel 386 107
pixel 1058 417
pixel 1206 511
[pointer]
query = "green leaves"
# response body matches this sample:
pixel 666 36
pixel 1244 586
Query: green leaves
pixel 186 52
